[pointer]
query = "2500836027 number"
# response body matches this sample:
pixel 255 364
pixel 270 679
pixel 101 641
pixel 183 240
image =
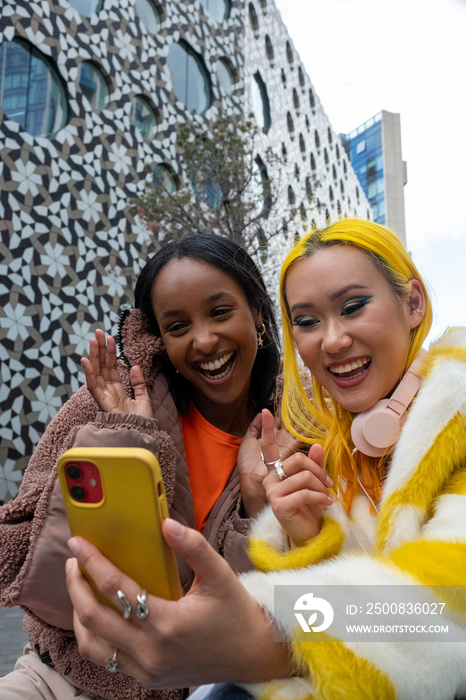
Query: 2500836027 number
pixel 396 608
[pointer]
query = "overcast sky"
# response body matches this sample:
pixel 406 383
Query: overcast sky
pixel 405 56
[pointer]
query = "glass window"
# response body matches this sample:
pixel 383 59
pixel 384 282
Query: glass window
pixel 291 196
pixel 312 100
pixel 263 245
pixel 301 77
pixel 261 184
pixel 31 90
pixel 191 82
pixel 269 52
pixel 219 9
pixel 263 4
pixel 290 124
pixel 302 215
pixel 254 22
pixel 260 102
pixel 226 75
pixel 361 146
pixel 296 100
pixel 163 176
pixel 93 85
pixel 283 78
pixel 149 14
pixel 284 152
pixel 317 139
pixel 86 7
pixel 302 145
pixel 289 54
pixel 143 116
pixel 308 188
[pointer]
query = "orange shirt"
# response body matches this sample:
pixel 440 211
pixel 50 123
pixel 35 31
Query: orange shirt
pixel 211 455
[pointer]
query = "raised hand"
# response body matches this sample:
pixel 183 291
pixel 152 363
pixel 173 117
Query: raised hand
pixel 251 467
pixel 104 381
pixel 299 500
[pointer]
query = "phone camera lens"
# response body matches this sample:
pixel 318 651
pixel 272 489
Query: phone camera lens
pixel 78 493
pixel 73 471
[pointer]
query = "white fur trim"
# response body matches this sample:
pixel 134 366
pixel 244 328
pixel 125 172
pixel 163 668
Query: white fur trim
pixel 441 396
pixel 449 521
pixel 454 337
pixel 287 689
pixel 266 527
pixel 406 525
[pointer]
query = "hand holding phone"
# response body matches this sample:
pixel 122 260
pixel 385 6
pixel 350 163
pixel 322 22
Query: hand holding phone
pixel 115 499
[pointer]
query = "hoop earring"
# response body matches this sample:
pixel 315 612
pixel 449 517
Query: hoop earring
pixel 260 332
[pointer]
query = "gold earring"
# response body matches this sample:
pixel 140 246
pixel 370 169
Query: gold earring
pixel 260 332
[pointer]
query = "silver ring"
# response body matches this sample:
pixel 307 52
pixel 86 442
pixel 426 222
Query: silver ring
pixel 126 603
pixel 111 665
pixel 278 466
pixel 142 610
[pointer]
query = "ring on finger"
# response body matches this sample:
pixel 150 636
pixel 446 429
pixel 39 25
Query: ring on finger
pixel 278 466
pixel 142 610
pixel 111 664
pixel 126 604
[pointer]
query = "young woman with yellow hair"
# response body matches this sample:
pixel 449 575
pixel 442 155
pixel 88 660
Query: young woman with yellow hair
pixel 391 532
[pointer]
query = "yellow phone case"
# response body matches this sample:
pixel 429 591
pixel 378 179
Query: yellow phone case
pixel 125 523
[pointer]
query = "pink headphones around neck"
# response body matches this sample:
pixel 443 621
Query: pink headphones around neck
pixel 375 431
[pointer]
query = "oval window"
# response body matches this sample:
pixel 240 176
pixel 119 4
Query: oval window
pixel 163 176
pixel 149 14
pixel 93 85
pixel 143 116
pixel 191 82
pixel 226 75
pixel 219 9
pixel 260 102
pixel 253 21
pixel 31 90
pixel 86 8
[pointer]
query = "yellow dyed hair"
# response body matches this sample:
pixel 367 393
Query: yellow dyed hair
pixel 323 420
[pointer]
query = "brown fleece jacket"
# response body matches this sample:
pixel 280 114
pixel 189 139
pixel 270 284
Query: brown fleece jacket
pixel 33 529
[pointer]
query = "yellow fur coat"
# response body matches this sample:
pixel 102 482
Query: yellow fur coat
pixel 418 537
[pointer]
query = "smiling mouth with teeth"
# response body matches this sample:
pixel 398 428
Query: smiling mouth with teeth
pixel 219 368
pixel 351 370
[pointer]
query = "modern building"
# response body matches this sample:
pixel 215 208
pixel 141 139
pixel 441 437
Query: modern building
pixel 91 93
pixel 374 149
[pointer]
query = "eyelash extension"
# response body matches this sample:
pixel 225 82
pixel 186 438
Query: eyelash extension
pixel 355 304
pixel 303 321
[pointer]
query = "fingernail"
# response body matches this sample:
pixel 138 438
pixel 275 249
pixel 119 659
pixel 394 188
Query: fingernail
pixel 328 481
pixel 176 528
pixel 69 565
pixel 74 544
pixel 329 499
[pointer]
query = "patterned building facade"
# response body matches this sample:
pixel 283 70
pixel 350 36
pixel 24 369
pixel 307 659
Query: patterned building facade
pixel 91 92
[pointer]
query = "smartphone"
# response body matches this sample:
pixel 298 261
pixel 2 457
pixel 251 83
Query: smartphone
pixel 115 499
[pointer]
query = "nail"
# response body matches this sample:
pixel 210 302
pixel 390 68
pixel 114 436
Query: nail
pixel 69 565
pixel 74 544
